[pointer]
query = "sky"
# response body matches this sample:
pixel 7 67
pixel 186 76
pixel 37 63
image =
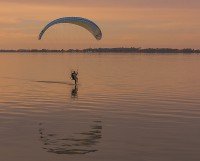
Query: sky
pixel 124 23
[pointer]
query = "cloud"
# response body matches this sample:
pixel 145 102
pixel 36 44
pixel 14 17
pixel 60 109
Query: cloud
pixel 114 3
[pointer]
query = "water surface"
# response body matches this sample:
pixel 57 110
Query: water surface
pixel 126 107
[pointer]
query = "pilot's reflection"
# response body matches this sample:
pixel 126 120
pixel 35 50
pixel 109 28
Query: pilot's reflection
pixel 77 143
pixel 74 92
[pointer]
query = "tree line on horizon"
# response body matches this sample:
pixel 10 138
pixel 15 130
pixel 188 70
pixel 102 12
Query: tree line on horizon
pixel 112 50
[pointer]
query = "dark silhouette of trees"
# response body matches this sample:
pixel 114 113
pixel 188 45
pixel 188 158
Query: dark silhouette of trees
pixel 112 50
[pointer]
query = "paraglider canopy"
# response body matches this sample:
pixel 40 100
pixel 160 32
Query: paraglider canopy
pixel 83 22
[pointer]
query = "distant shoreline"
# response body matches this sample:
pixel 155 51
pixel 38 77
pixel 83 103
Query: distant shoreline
pixel 110 50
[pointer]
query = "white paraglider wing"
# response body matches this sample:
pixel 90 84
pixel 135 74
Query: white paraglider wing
pixel 85 23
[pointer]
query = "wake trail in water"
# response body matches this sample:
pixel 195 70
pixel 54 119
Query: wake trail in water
pixel 39 81
pixel 54 82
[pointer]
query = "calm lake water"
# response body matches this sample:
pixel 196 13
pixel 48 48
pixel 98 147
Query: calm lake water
pixel 126 107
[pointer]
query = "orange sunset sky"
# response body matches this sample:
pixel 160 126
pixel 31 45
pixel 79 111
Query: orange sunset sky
pixel 124 23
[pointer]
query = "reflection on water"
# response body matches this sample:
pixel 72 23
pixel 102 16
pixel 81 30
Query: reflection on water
pixel 78 143
pixel 74 92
